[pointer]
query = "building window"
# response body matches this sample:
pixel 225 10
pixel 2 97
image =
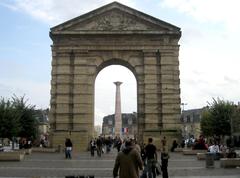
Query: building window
pixel 197 118
pixel 130 121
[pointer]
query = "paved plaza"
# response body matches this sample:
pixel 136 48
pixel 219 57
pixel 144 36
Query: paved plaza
pixel 55 165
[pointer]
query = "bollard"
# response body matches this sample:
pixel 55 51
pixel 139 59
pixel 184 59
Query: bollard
pixel 209 160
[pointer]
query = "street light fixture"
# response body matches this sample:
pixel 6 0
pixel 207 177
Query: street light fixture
pixel 183 104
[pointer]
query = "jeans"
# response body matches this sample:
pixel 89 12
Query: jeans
pixel 150 168
pixel 68 154
pixel 144 172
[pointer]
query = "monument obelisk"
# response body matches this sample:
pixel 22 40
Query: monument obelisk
pixel 118 113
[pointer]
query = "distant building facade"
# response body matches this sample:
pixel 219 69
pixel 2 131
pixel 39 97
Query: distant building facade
pixel 43 122
pixel 97 130
pixel 190 120
pixel 129 125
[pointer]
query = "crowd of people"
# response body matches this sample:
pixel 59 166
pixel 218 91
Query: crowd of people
pixel 104 145
pixel 214 146
pixel 133 160
pixel 25 143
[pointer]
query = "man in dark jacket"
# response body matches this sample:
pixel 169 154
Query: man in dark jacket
pixel 151 156
pixel 128 162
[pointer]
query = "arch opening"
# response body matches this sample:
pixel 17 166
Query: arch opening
pixel 104 100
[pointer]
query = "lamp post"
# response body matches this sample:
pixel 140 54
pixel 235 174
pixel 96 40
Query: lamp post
pixel 183 104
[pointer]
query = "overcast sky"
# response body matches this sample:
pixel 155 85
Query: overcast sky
pixel 209 52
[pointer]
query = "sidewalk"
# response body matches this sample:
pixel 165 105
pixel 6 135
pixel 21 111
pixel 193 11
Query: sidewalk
pixel 41 165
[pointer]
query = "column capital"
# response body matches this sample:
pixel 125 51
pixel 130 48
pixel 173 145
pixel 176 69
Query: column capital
pixel 117 83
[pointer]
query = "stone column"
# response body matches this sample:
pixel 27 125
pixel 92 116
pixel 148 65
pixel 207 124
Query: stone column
pixel 118 113
pixel 152 98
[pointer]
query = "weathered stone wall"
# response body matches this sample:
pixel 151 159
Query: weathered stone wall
pixel 157 74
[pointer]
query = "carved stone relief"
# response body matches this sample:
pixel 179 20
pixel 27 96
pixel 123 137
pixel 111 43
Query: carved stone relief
pixel 115 20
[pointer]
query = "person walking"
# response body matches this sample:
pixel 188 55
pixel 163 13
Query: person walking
pixel 164 158
pixel 99 144
pixel 118 143
pixel 174 145
pixel 92 146
pixel 143 156
pixel 108 144
pixel 128 162
pixel 136 145
pixel 68 148
pixel 151 157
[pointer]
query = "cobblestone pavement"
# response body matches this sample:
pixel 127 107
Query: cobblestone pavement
pixel 39 165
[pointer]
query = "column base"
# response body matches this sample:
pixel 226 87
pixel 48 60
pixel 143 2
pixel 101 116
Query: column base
pixel 80 140
pixel 159 134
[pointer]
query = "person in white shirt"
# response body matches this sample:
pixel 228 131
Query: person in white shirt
pixel 214 149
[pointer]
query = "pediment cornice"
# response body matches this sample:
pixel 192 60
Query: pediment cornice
pixel 115 18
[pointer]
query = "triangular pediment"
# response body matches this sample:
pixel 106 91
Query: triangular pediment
pixel 115 17
pixel 114 20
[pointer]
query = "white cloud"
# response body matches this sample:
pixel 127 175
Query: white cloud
pixel 223 11
pixel 35 91
pixel 209 67
pixel 209 57
pixel 58 11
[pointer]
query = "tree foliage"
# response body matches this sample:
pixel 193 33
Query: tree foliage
pixel 9 120
pixel 27 117
pixel 236 120
pixel 17 118
pixel 216 120
pixel 206 123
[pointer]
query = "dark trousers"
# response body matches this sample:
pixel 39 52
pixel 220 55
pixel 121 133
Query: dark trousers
pixel 151 168
pixel 99 151
pixel 68 154
pixel 164 168
pixel 92 150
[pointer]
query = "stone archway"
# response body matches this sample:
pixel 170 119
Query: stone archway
pixel 114 34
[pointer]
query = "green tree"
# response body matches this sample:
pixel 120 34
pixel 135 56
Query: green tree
pixel 217 119
pixel 206 124
pixel 9 120
pixel 27 117
pixel 17 118
pixel 236 120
